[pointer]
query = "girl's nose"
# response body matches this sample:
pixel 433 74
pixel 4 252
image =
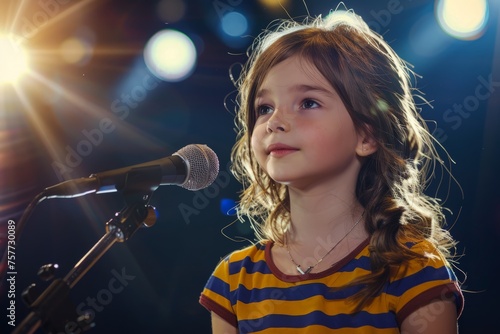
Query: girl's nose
pixel 277 122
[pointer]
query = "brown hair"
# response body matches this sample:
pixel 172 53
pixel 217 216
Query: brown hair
pixel 375 87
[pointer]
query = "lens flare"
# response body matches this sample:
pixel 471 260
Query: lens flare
pixel 13 61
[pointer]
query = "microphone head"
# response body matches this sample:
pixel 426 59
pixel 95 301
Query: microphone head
pixel 202 166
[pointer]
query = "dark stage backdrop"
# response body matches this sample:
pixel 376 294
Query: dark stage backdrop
pixel 105 110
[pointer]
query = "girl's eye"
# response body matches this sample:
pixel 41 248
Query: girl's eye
pixel 309 104
pixel 263 110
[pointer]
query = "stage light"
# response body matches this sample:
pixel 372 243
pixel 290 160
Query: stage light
pixel 462 19
pixel 234 24
pixel 170 55
pixel 13 61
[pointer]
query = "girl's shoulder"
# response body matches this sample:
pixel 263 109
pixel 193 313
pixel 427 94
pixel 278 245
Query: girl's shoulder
pixel 249 259
pixel 428 261
pixel 425 278
pixel 253 253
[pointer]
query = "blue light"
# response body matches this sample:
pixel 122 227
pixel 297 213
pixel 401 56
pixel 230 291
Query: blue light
pixel 234 24
pixel 228 206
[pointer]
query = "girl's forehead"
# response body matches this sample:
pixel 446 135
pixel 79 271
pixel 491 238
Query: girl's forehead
pixel 293 69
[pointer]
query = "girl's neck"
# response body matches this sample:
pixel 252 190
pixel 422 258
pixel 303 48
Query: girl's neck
pixel 321 215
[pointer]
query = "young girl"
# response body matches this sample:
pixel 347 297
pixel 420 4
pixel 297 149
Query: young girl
pixel 333 156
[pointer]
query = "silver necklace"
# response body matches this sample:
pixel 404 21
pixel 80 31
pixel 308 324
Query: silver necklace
pixel 308 270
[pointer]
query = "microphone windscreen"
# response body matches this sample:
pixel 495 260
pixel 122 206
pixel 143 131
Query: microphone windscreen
pixel 202 166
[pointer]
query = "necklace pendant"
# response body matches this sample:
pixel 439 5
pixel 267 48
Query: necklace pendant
pixel 302 272
pixel 308 270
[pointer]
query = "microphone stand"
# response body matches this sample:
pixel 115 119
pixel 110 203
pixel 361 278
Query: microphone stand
pixel 52 309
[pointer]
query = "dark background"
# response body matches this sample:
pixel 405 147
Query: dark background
pixel 168 264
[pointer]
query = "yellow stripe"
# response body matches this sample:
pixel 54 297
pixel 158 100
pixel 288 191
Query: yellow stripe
pixel 302 307
pixel 323 330
pixel 305 306
pixel 221 300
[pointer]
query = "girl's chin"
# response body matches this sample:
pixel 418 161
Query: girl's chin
pixel 285 183
pixel 280 179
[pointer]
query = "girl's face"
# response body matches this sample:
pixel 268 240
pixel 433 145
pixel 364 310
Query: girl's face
pixel 304 136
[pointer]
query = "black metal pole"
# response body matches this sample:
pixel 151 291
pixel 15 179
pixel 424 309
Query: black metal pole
pixel 53 309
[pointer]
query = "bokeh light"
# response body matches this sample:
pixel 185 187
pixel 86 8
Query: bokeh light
pixel 274 5
pixel 13 61
pixel 170 55
pixel 75 51
pixel 228 206
pixel 462 19
pixel 234 24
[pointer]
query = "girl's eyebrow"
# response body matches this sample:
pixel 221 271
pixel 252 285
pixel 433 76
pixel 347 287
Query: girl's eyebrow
pixel 299 89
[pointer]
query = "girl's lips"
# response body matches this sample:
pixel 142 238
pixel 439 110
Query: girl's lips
pixel 279 150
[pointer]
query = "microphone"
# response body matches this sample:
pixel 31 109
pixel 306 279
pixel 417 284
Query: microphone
pixel 193 167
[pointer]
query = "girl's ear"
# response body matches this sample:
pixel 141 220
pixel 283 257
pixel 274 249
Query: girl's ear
pixel 367 144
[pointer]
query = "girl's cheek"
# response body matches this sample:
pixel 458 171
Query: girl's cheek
pixel 255 142
pixel 252 142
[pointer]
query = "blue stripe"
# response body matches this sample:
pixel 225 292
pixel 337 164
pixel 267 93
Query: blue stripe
pixel 427 274
pixel 294 293
pixel 217 285
pixel 250 266
pixel 361 263
pixel 380 321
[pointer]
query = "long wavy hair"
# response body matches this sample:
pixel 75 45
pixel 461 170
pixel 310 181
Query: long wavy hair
pixel 374 84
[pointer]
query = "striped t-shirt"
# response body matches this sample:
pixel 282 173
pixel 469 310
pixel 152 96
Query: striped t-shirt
pixel 251 293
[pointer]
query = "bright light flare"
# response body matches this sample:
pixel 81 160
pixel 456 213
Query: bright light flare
pixel 13 61
pixel 462 19
pixel 170 55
